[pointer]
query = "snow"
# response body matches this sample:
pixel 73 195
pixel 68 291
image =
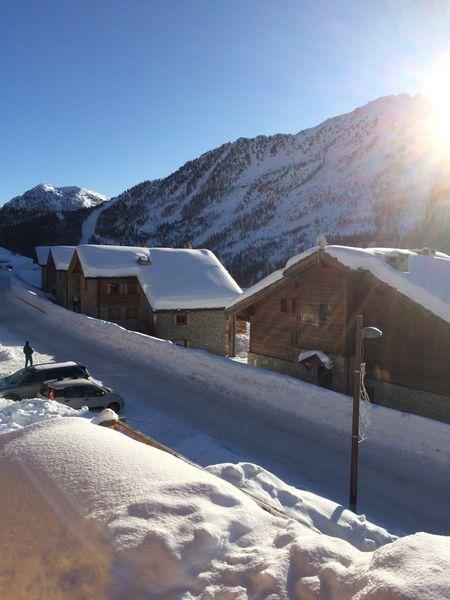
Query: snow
pixel 16 415
pixel 313 511
pixel 114 517
pixel 42 255
pixel 214 412
pixel 47 197
pixel 89 225
pixel 62 255
pixel 324 358
pixel 427 282
pixel 107 415
pixel 173 278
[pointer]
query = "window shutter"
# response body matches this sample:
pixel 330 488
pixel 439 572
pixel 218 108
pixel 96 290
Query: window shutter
pixel 174 318
pixel 188 319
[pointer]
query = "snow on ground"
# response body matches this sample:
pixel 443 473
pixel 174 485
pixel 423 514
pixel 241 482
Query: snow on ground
pixel 214 411
pixel 110 517
pixel 15 415
pixel 29 272
pixel 313 511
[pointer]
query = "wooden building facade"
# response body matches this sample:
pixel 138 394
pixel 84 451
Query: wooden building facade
pixel 313 306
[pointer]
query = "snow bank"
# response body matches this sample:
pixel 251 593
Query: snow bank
pixel 5 354
pixel 284 401
pixel 107 516
pixel 15 415
pixel 317 513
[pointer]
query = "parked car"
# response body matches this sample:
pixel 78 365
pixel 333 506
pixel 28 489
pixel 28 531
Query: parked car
pixel 77 393
pixel 27 382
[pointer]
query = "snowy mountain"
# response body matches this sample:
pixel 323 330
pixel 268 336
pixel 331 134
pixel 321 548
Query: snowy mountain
pixel 46 214
pixel 374 174
pixel 48 198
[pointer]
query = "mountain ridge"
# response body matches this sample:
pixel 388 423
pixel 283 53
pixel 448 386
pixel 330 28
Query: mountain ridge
pixel 374 174
pixel 368 175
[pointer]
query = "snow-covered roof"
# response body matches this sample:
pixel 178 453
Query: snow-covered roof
pixel 62 255
pixel 42 255
pixel 172 279
pixel 427 281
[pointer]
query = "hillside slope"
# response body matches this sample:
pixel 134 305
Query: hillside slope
pixel 375 174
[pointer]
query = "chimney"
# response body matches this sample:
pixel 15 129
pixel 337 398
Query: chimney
pixel 144 259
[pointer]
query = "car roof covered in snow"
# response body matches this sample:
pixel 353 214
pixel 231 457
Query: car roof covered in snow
pixel 62 255
pixel 46 366
pixel 42 255
pixel 171 278
pixel 426 281
pixel 61 384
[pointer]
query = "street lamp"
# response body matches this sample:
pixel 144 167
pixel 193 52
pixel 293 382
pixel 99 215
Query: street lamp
pixel 361 334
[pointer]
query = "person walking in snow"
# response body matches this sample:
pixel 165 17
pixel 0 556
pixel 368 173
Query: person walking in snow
pixel 28 351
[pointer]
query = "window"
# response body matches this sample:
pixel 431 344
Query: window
pixel 131 288
pixel 283 305
pixel 93 392
pixel 293 305
pixel 113 288
pixel 132 312
pixel 325 312
pixel 113 314
pixel 72 392
pixel 181 319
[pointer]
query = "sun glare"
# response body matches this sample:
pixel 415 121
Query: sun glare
pixel 437 89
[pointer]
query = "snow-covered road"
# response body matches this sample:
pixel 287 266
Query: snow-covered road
pixel 185 414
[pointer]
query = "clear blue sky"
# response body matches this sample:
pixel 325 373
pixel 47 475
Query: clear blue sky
pixel 107 93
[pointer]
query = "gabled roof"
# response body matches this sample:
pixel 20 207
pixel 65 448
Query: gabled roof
pixel 427 281
pixel 62 255
pixel 171 278
pixel 42 255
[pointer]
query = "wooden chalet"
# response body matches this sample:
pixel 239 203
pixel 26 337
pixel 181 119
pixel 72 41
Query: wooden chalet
pixel 302 323
pixel 174 294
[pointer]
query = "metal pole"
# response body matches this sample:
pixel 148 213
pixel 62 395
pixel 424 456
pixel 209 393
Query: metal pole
pixel 355 418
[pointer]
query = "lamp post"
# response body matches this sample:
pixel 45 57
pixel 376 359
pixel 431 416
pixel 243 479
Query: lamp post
pixel 361 334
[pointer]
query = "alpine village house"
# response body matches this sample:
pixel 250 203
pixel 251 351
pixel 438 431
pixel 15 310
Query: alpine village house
pixel 174 294
pixel 302 323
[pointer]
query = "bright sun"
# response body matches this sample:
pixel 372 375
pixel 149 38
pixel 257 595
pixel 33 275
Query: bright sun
pixel 437 89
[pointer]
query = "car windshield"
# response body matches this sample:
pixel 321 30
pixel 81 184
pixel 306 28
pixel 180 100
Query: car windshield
pixel 18 376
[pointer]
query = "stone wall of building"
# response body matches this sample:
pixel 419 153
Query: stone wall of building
pixel 339 371
pixel 206 329
pixel 417 402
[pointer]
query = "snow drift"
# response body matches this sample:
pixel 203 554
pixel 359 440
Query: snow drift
pixel 107 517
